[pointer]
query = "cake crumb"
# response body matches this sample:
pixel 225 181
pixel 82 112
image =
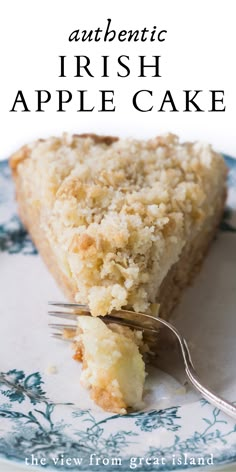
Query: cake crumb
pixel 51 370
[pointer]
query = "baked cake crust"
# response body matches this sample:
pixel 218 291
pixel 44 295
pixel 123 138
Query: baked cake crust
pixel 140 226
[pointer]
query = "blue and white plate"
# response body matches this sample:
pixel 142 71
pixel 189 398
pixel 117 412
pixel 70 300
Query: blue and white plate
pixel 47 418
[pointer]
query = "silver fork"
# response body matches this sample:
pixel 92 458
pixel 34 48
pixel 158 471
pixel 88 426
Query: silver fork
pixel 150 326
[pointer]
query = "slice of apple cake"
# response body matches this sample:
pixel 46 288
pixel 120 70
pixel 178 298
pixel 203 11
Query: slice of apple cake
pixel 120 223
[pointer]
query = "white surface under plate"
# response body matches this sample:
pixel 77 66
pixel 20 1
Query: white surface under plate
pixel 50 418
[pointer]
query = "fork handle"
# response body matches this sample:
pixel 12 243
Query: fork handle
pixel 207 393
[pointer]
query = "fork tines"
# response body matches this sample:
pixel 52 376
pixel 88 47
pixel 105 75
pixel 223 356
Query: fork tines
pixel 69 305
pixel 72 311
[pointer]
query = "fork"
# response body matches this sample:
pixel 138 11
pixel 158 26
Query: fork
pixel 150 326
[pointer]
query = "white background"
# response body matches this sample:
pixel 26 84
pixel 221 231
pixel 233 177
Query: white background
pixel 199 53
